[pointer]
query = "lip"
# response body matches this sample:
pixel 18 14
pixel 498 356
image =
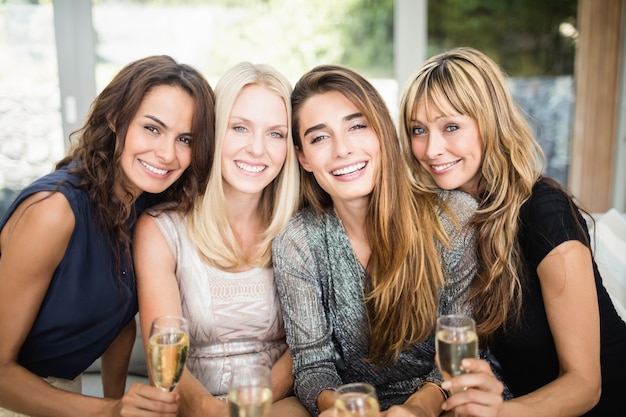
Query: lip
pixel 349 170
pixel 249 168
pixel 442 168
pixel 160 172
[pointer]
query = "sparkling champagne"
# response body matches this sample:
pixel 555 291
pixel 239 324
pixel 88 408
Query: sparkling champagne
pixel 452 348
pixel 167 354
pixel 355 404
pixel 251 401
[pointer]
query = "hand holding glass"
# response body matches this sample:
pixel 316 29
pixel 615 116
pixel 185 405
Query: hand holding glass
pixel 167 351
pixel 356 400
pixel 250 391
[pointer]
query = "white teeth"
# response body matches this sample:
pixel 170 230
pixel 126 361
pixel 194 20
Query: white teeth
pixel 250 168
pixel 153 169
pixel 444 166
pixel 349 169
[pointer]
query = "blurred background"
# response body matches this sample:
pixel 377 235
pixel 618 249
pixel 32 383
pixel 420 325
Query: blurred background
pixel 564 59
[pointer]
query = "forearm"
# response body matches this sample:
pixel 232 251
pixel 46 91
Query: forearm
pixel 115 360
pixel 569 395
pixel 26 393
pixel 282 377
pixel 426 402
pixel 196 400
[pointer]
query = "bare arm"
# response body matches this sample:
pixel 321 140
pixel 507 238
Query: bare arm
pixel 32 245
pixel 282 377
pixel 569 295
pixel 115 362
pixel 425 402
pixel 159 295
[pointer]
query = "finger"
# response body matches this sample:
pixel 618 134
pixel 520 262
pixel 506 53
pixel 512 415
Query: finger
pixel 481 382
pixel 141 397
pixel 474 402
pixel 476 366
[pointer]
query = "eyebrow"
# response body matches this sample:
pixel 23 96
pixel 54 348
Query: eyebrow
pixel 157 120
pixel 323 125
pixel 245 120
pixel 162 123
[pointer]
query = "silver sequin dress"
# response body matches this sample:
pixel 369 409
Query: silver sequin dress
pixel 321 287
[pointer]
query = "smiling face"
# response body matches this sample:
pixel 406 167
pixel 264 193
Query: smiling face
pixel 339 147
pixel 157 147
pixel 255 145
pixel 448 145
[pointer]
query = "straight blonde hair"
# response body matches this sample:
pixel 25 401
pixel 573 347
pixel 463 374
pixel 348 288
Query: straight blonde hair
pixel 208 225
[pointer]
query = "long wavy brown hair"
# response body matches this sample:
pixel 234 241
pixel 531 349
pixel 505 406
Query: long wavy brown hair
pixel 404 269
pixel 474 85
pixel 100 142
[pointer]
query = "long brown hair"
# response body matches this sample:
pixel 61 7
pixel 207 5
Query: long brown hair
pixel 404 269
pixel 474 85
pixel 102 138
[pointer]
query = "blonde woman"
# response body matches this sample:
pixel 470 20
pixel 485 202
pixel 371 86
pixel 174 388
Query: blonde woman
pixel 538 299
pixel 214 266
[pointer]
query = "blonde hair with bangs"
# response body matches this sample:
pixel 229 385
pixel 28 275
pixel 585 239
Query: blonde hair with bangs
pixel 473 85
pixel 208 225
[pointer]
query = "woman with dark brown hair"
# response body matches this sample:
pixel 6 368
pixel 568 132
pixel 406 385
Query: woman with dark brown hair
pixel 67 285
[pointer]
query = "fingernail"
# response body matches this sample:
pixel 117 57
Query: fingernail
pixel 446 385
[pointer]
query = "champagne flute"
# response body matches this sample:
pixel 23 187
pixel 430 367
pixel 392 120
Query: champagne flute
pixel 167 351
pixel 357 399
pixel 250 391
pixel 456 339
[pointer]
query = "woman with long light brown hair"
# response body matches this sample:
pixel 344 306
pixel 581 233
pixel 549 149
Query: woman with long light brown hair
pixel 365 267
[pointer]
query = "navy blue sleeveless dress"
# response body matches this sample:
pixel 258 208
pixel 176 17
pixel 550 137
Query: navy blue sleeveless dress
pixel 89 301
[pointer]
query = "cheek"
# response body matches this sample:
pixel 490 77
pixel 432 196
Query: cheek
pixel 279 152
pixel 184 157
pixel 417 148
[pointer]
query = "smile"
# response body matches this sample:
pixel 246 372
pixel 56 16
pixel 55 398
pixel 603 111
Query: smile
pixel 443 167
pixel 154 169
pixel 349 169
pixel 250 168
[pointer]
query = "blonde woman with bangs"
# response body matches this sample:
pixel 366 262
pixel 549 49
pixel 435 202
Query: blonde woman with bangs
pixel 214 265
pixel 361 267
pixel 538 299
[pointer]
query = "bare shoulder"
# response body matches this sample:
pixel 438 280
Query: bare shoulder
pixel 39 215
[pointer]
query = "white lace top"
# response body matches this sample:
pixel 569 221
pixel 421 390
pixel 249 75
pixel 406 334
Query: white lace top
pixel 234 317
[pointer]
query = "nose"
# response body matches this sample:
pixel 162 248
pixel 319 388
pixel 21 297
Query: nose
pixel 166 150
pixel 436 145
pixel 256 144
pixel 342 145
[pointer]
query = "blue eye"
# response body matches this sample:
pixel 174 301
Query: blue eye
pixel 277 135
pixel 416 131
pixel 452 128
